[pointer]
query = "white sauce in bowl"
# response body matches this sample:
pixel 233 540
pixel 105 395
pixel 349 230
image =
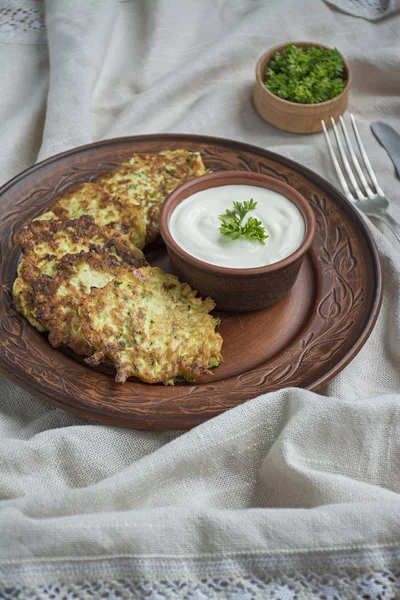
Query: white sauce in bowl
pixel 194 225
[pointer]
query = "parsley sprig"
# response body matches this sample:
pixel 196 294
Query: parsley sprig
pixel 306 76
pixel 233 226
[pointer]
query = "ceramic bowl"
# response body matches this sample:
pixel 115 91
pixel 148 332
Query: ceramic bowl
pixel 291 116
pixel 237 289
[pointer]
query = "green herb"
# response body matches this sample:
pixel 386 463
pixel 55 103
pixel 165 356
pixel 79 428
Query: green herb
pixel 306 76
pixel 117 283
pixel 171 173
pixel 233 226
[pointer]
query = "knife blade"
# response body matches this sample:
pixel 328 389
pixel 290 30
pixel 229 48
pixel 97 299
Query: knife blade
pixel 390 140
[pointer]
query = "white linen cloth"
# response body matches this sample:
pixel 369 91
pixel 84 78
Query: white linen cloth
pixel 291 495
pixel 367 9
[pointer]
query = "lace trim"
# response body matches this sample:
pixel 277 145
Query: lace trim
pixel 382 585
pixel 22 21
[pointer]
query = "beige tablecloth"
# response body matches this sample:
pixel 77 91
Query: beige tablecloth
pixel 291 495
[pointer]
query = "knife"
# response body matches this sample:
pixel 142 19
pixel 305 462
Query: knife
pixel 390 140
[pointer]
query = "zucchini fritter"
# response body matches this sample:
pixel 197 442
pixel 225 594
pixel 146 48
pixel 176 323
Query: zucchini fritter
pixel 106 208
pixel 44 243
pixel 84 279
pixel 151 327
pixel 51 239
pixel 147 179
pixel 57 299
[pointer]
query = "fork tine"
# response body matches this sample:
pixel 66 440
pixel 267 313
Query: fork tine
pixel 354 158
pixel 338 170
pixel 359 194
pixel 365 157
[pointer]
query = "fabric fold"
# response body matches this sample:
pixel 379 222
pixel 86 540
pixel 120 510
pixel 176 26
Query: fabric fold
pixel 373 10
pixel 77 48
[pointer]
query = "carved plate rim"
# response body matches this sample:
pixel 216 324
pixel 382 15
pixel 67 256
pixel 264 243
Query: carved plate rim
pixel 184 419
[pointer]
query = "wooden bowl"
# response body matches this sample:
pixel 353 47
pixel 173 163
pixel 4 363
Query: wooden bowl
pixel 292 116
pixel 233 289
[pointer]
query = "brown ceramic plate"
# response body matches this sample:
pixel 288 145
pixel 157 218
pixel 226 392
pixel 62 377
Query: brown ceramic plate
pixel 302 341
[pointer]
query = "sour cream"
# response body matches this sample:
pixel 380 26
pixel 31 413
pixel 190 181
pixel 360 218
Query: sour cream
pixel 194 225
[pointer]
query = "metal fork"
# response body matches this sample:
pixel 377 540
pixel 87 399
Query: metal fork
pixel 372 202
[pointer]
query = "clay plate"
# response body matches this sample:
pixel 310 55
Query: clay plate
pixel 302 341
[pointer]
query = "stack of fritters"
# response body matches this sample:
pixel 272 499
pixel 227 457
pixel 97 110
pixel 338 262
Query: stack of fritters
pixel 84 279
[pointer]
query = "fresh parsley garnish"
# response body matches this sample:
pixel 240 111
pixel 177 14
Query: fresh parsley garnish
pixel 306 76
pixel 233 226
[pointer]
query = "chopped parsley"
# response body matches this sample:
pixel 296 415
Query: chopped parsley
pixel 306 76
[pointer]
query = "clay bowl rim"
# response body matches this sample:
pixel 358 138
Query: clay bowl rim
pixel 246 178
pixel 260 70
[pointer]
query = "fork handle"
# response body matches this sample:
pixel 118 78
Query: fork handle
pixel 391 223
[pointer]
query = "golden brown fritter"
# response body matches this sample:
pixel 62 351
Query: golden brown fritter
pixel 23 296
pixel 83 278
pixel 57 299
pixel 147 179
pixel 51 239
pixel 106 208
pixel 151 327
pixel 44 243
